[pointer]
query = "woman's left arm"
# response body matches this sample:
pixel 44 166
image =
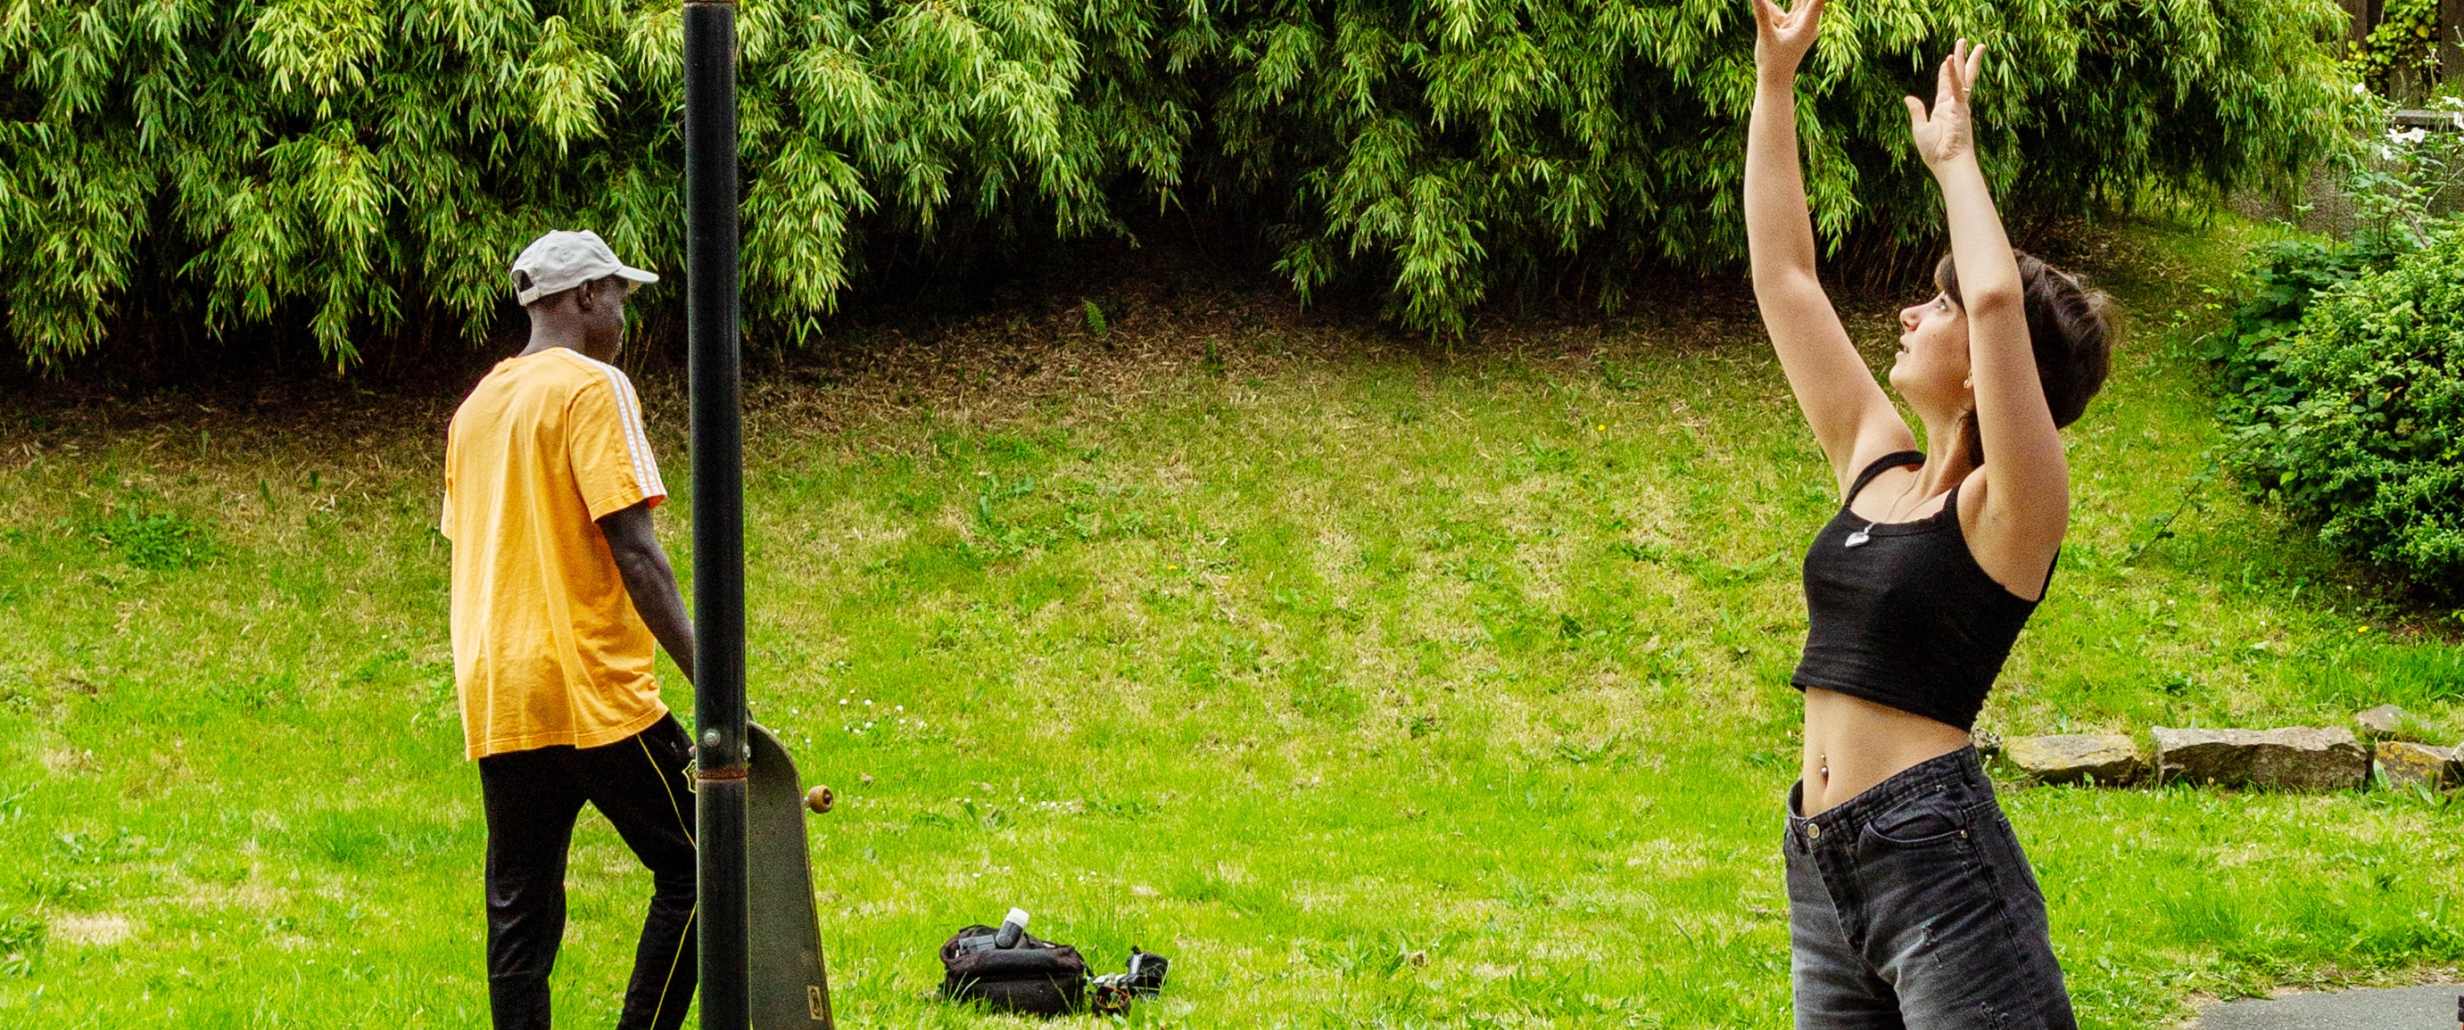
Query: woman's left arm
pixel 2023 505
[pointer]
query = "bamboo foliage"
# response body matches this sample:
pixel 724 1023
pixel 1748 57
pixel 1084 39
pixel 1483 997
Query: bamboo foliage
pixel 353 165
pixel 1465 141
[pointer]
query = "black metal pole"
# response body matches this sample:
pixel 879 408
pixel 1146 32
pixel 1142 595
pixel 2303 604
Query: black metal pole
pixel 718 506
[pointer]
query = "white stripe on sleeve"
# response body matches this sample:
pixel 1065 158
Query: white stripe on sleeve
pixel 637 442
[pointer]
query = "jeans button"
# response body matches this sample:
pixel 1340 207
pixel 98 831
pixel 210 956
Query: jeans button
pixel 1813 831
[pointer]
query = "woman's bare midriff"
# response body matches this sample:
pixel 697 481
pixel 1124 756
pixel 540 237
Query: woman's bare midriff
pixel 1851 744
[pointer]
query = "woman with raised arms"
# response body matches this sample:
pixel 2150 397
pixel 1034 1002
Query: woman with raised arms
pixel 1910 903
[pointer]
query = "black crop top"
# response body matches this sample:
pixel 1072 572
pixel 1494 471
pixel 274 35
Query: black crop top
pixel 1900 614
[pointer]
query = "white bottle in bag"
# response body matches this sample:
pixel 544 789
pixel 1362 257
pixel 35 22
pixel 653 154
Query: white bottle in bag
pixel 1013 927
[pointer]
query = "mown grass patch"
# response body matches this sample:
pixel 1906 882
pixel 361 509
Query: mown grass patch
pixel 1417 688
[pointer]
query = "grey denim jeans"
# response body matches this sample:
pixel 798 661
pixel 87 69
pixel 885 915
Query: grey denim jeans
pixel 1911 906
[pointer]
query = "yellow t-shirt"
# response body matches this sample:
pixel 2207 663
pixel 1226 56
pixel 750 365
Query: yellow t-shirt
pixel 547 648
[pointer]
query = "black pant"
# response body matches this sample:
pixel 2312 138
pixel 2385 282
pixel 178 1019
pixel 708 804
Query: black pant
pixel 533 798
pixel 1911 907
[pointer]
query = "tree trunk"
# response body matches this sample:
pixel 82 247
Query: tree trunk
pixel 2450 35
pixel 2364 15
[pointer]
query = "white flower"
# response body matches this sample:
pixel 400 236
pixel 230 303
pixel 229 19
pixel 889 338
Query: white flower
pixel 2360 90
pixel 2407 135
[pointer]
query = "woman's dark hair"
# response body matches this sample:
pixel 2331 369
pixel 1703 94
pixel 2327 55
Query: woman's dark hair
pixel 2071 329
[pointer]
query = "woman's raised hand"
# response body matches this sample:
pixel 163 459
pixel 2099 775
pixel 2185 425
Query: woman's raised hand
pixel 1948 133
pixel 1782 38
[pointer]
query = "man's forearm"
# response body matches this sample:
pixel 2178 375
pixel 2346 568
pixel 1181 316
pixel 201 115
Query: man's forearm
pixel 650 580
pixel 653 586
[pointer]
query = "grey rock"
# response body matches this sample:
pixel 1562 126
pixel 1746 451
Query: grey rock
pixel 2388 722
pixel 2071 757
pixel 2430 1007
pixel 2295 758
pixel 2407 765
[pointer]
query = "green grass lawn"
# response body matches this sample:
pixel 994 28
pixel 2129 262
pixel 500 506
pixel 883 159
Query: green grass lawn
pixel 1375 685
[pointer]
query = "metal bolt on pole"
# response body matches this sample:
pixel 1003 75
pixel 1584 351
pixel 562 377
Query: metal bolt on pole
pixel 718 507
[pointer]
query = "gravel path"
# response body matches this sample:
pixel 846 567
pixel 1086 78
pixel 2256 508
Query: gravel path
pixel 2432 1007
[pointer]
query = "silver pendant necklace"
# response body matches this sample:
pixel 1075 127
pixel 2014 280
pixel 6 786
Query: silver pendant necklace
pixel 1865 536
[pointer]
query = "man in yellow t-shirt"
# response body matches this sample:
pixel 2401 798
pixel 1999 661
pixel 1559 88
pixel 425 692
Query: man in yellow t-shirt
pixel 559 589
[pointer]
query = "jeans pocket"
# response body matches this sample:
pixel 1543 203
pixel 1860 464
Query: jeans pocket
pixel 1998 844
pixel 1924 821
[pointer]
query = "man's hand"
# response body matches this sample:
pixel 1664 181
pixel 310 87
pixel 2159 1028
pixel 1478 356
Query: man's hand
pixel 651 582
pixel 1783 38
pixel 1948 133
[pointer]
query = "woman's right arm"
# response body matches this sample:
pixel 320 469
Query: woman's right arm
pixel 1851 417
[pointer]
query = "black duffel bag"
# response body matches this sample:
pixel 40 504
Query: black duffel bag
pixel 1032 976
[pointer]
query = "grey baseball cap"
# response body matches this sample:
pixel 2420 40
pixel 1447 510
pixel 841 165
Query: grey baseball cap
pixel 562 260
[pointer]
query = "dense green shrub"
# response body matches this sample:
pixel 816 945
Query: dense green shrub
pixel 2324 316
pixel 1463 143
pixel 2356 418
pixel 2288 277
pixel 364 167
pixel 371 162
